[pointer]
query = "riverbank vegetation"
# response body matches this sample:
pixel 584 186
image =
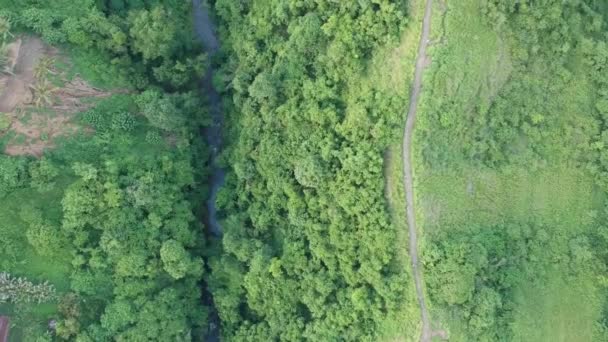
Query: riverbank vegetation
pixel 510 167
pixel 309 249
pixel 105 212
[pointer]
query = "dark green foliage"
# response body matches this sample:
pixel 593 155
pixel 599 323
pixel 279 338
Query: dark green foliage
pixel 43 174
pixel 111 210
pixel 160 110
pixel 477 271
pixel 113 113
pixel 153 33
pixel 177 261
pixel 179 73
pixel 123 121
pixel 126 220
pixel 70 308
pixel 309 252
pixel 148 44
pixel 153 137
pixel 45 238
pixel 13 173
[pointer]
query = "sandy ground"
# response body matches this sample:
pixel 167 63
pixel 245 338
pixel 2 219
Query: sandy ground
pixel 23 56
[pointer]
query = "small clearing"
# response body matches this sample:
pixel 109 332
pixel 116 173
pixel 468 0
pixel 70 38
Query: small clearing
pixel 37 101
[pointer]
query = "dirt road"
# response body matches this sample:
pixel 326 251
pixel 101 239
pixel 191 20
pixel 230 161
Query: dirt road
pixel 421 63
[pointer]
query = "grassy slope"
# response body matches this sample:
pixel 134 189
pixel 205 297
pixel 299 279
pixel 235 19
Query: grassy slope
pixel 27 262
pixel 556 311
pixel 469 69
pixel 449 55
pixel 563 200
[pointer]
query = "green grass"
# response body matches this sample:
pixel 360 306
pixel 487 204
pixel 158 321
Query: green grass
pixel 397 77
pixel 20 259
pixel 26 116
pixel 557 311
pixel 470 63
pixel 469 70
pixel 20 139
pixel 5 122
pixel 459 197
pixel 564 200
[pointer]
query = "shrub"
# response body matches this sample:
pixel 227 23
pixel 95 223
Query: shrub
pixel 44 238
pixel 43 174
pixel 123 121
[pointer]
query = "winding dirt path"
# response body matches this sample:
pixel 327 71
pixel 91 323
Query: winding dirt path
pixel 421 63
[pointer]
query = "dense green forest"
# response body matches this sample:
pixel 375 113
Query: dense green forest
pixel 511 155
pixel 105 170
pixel 309 250
pixel 100 234
pixel 102 225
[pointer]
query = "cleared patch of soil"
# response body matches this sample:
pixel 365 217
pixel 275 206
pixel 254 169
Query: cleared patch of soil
pixel 36 127
pixel 23 55
pixel 12 53
pixel 38 133
pixel 15 92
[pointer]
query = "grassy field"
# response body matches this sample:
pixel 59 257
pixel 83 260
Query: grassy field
pixel 471 68
pixel 561 197
pixel 547 307
pixel 557 311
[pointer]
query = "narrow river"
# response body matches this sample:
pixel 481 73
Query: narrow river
pixel 205 32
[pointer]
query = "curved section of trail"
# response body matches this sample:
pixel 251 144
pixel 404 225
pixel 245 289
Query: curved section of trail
pixel 421 62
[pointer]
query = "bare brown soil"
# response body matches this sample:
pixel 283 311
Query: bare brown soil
pixel 4 328
pixel 36 128
pixel 12 53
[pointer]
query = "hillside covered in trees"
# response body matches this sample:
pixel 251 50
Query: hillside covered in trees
pixel 309 250
pixel 113 144
pixel 99 231
pixel 103 222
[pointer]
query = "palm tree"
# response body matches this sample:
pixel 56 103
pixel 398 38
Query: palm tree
pixel 4 59
pixel 43 93
pixel 43 67
pixel 5 33
pixel 5 28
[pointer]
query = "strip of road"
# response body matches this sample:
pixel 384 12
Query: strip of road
pixel 421 62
